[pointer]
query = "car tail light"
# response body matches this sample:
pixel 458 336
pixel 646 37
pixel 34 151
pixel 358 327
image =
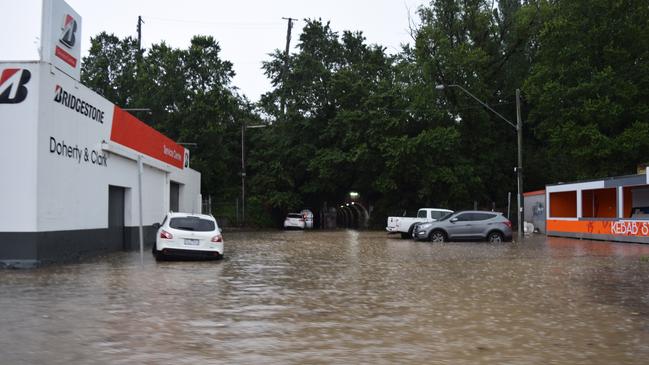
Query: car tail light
pixel 217 238
pixel 166 235
pixel 508 223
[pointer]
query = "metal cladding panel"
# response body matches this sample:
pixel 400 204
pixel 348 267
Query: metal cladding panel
pixel 625 181
pixel 73 170
pixel 19 99
pixel 574 186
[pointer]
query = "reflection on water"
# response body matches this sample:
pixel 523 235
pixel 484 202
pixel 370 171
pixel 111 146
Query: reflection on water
pixel 337 297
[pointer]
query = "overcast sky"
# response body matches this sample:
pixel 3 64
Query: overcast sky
pixel 247 30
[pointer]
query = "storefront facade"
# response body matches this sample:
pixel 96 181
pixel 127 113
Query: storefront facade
pixel 75 166
pixel 613 209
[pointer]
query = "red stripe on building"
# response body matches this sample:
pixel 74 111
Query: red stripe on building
pixel 65 56
pixel 133 133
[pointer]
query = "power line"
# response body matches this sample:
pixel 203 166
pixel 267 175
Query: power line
pixel 230 24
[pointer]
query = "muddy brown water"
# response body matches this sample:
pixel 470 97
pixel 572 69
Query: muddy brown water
pixel 339 297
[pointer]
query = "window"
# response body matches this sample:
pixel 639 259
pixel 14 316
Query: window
pixel 445 216
pixel 192 224
pixel 563 204
pixel 421 214
pixel 437 215
pixel 465 217
pixel 482 216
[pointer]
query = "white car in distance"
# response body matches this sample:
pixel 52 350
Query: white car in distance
pixel 294 221
pixel 185 235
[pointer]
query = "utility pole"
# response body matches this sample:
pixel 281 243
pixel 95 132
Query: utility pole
pixel 285 71
pixel 139 32
pixel 519 168
pixel 138 58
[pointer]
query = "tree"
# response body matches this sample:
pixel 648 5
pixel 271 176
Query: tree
pixel 589 88
pixel 110 68
pixel 485 50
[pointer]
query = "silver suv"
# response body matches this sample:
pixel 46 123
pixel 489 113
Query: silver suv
pixel 466 225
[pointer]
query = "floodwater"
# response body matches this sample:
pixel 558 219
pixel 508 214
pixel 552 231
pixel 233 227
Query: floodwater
pixel 342 297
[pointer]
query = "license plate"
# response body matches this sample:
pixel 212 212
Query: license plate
pixel 190 242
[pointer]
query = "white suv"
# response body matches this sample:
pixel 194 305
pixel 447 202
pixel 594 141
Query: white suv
pixel 294 220
pixel 189 236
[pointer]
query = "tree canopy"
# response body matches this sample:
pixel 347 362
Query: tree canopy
pixel 356 118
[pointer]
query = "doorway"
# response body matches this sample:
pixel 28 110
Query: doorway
pixel 174 196
pixel 116 230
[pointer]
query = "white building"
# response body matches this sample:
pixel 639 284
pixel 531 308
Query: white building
pixel 69 159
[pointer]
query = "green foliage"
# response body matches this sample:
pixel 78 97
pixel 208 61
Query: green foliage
pixel 588 87
pixel 110 67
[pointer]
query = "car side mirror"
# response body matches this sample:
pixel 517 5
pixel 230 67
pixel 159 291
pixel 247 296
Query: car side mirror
pixel 156 225
pixel 453 220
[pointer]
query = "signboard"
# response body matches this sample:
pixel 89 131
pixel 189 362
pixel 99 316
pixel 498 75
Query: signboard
pixel 61 37
pixel 628 228
pixel 133 133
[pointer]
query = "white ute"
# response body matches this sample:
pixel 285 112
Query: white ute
pixel 405 225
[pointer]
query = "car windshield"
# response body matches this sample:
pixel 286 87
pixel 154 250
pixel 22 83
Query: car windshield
pixel 192 224
pixel 445 216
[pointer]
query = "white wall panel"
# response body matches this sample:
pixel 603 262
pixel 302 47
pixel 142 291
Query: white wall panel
pixel 72 189
pixel 18 155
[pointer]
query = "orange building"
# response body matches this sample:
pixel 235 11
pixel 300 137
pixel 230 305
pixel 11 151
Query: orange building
pixel 613 209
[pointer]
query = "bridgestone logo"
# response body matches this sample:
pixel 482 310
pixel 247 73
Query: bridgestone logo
pixel 12 85
pixel 79 105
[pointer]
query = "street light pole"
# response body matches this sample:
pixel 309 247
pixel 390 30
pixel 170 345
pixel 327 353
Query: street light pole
pixel 243 172
pixel 519 137
pixel 519 169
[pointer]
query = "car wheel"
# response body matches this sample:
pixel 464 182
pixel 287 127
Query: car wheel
pixel 410 230
pixel 155 252
pixel 437 236
pixel 495 237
